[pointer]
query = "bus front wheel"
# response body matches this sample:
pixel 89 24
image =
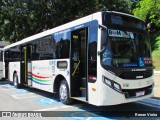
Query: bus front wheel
pixel 64 93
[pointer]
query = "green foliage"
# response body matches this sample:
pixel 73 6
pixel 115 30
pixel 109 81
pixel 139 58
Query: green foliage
pixel 148 10
pixel 156 59
pixel 116 5
pixel 144 8
pixel 23 18
pixel 158 42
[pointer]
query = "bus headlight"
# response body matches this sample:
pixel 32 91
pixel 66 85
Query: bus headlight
pixel 108 82
pixel 112 84
pixel 117 86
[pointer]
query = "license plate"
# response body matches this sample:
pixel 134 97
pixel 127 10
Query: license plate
pixel 141 93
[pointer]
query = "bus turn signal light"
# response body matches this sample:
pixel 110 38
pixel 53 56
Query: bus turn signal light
pixel 94 89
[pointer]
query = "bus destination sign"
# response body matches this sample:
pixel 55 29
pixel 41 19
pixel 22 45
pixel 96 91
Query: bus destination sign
pixel 119 33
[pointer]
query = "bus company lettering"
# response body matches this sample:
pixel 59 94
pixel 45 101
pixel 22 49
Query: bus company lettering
pixel 119 33
pixel 42 67
pixel 52 62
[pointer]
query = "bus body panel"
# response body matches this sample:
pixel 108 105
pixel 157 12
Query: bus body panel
pixel 4 70
pixel 1 61
pixel 44 73
pixel 14 67
pixel 134 84
pixel 93 88
pixel 109 96
pixel 1 70
pixel 29 71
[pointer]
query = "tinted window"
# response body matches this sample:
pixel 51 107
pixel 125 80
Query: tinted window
pixel 127 21
pixel 13 54
pixel 43 48
pixel 92 52
pixel 1 55
pixel 62 44
pixel 113 19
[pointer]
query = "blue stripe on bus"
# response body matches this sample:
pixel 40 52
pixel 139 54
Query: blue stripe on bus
pixel 38 82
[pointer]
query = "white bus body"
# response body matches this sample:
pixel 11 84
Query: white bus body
pixel 72 61
pixel 1 63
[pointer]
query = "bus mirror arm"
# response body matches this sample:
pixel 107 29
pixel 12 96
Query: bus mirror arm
pixel 103 27
pixel 101 51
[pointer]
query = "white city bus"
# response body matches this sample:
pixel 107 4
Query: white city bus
pixel 102 59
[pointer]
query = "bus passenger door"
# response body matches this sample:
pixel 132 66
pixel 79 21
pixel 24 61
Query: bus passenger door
pixel 23 65
pixel 79 64
pixel 29 65
pixel 26 65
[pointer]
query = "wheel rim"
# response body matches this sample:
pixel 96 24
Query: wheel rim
pixel 63 92
pixel 15 81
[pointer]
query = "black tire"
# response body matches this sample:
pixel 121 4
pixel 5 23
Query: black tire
pixel 64 93
pixel 15 80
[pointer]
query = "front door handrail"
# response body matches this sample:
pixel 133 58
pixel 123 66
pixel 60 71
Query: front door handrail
pixel 76 68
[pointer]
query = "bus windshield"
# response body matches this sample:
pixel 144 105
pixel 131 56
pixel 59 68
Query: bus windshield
pixel 126 49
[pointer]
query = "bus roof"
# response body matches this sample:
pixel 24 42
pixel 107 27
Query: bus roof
pixel 66 26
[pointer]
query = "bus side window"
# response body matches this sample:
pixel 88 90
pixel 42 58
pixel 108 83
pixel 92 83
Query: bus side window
pixel 62 45
pixel 92 52
pixel 1 54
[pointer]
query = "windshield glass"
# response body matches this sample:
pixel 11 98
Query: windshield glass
pixel 126 49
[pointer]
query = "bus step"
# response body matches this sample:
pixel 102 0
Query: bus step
pixel 80 98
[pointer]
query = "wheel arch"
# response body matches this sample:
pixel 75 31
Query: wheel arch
pixel 57 81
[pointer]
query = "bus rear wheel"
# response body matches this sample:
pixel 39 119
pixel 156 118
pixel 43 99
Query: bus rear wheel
pixel 15 80
pixel 64 93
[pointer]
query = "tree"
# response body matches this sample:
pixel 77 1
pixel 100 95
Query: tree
pixel 22 18
pixel 148 10
pixel 116 5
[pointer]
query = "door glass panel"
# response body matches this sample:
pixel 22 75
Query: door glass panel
pixel 79 63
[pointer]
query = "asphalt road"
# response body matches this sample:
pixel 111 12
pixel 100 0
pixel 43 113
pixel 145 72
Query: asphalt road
pixel 27 100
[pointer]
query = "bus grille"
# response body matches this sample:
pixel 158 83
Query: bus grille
pixel 132 93
pixel 136 74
